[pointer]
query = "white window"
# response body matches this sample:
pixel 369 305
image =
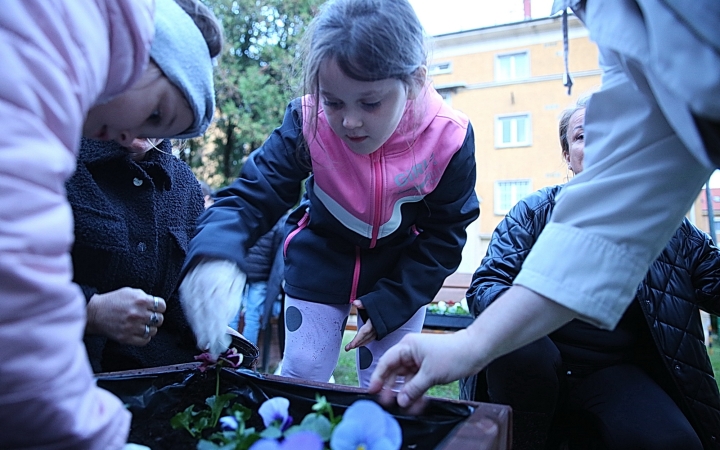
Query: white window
pixel 512 66
pixel 508 193
pixel 439 68
pixel 512 131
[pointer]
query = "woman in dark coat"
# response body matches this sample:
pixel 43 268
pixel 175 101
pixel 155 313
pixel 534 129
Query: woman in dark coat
pixel 135 210
pixel 647 384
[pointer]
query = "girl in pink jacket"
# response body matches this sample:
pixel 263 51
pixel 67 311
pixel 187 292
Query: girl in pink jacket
pixel 59 59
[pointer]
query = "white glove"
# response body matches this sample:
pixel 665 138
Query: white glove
pixel 210 296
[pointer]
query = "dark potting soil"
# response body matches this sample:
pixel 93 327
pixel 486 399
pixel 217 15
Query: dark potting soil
pixel 151 424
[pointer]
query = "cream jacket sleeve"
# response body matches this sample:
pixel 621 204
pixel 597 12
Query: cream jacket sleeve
pixel 611 221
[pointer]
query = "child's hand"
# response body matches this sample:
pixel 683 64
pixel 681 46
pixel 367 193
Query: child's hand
pixel 365 334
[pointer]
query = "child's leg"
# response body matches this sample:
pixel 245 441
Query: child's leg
pixel 312 339
pixel 368 356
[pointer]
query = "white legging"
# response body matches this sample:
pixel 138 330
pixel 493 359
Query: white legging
pixel 313 337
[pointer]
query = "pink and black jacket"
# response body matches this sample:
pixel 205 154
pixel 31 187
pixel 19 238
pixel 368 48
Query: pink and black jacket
pixel 386 228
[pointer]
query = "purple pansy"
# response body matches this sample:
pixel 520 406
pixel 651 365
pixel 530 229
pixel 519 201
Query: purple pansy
pixel 275 412
pixel 231 357
pixel 305 440
pixel 228 423
pixel 366 425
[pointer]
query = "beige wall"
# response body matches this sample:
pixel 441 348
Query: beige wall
pixel 475 92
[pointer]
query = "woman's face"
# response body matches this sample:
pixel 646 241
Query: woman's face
pixel 576 141
pixel 152 107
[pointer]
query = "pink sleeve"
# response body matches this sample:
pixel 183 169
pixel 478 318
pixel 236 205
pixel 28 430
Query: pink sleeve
pixel 54 67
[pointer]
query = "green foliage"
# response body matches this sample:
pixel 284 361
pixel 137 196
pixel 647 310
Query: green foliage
pixel 254 81
pixel 322 422
pixel 197 421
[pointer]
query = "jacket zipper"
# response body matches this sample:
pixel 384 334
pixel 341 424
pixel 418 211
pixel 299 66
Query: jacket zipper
pixel 301 224
pixel 377 207
pixel 356 276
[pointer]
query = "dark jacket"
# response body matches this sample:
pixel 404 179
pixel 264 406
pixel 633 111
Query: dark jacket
pixel 133 222
pixel 260 257
pixel 684 278
pixel 395 271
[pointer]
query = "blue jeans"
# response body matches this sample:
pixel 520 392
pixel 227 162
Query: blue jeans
pixel 252 304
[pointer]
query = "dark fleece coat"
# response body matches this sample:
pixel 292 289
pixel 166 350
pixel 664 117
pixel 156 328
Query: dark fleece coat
pixel 133 222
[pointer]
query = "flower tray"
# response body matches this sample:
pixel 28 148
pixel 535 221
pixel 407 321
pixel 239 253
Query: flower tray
pixel 447 321
pixel 155 395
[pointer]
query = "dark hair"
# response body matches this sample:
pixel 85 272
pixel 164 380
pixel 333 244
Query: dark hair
pixel 565 122
pixel 370 40
pixel 206 21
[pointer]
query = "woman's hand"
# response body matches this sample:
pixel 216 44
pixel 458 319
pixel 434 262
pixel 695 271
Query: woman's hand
pixel 365 334
pixel 127 315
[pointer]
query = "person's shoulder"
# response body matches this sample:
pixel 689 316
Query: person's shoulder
pixel 688 234
pixel 541 199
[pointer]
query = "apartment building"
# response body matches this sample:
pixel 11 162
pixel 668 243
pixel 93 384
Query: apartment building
pixel 508 79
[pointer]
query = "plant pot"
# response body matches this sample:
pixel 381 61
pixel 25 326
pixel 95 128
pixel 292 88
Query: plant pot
pixel 155 395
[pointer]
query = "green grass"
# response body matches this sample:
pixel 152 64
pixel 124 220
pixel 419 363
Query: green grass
pixel 714 352
pixel 346 374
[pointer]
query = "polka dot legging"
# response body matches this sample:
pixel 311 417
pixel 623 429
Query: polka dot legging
pixel 313 340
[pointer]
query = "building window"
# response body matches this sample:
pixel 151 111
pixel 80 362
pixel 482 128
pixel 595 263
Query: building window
pixel 512 131
pixel 512 66
pixel 508 193
pixel 439 68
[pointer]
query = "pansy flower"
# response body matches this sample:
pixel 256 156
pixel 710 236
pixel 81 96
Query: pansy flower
pixel 365 425
pixel 274 412
pixel 302 440
pixel 230 358
pixel 228 423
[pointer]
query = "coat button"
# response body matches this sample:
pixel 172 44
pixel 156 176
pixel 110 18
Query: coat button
pixel 141 247
pixel 677 367
pixel 137 181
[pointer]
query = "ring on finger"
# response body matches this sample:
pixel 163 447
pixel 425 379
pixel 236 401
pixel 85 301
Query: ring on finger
pixel 147 332
pixel 154 320
pixel 156 302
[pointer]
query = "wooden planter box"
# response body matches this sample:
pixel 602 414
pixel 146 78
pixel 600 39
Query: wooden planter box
pixel 155 395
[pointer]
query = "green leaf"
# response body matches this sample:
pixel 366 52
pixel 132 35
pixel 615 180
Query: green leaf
pixel 217 404
pixel 271 433
pixel 207 445
pixel 318 424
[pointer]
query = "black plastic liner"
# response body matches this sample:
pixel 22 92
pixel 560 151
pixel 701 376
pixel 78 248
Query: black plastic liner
pixel 156 396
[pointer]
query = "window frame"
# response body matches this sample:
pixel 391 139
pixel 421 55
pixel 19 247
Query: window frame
pixel 439 69
pixel 499 120
pixel 512 76
pixel 497 209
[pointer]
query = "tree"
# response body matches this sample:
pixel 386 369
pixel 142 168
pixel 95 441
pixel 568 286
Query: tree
pixel 254 80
